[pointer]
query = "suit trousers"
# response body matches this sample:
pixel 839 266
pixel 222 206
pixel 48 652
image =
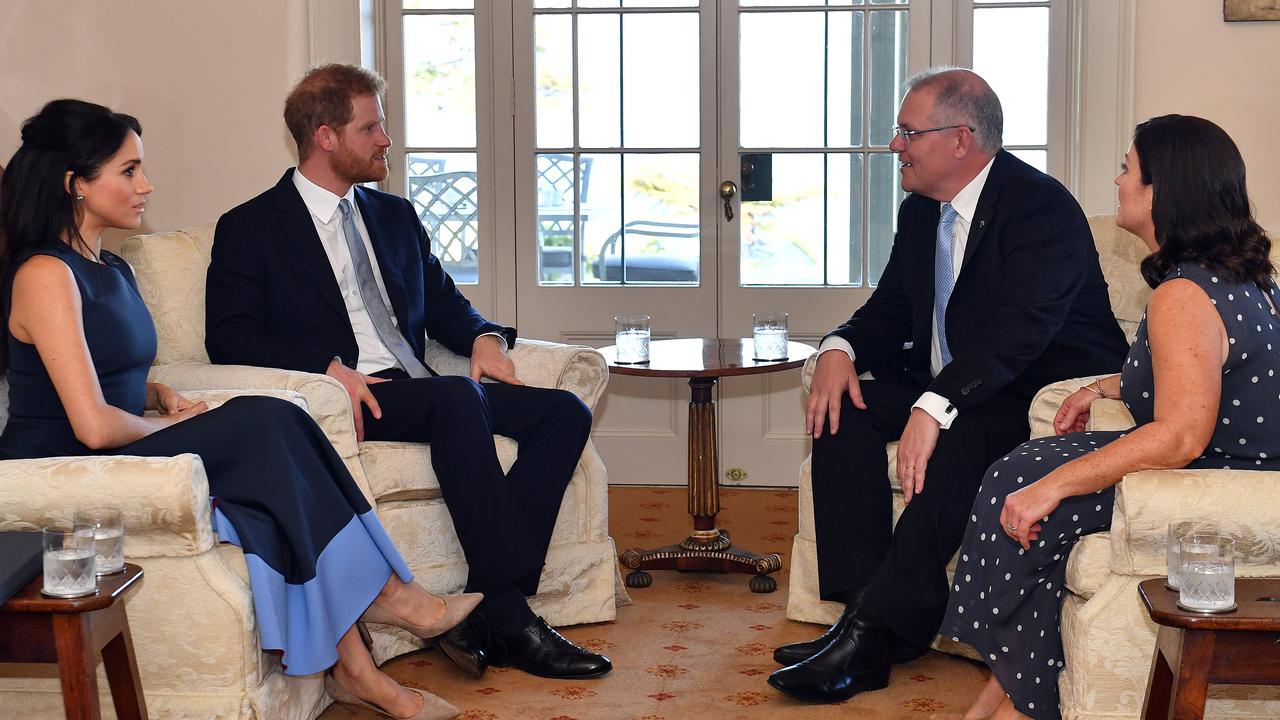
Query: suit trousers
pixel 901 569
pixel 503 521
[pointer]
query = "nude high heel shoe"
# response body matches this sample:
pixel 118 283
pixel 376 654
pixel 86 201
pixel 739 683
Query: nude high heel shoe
pixel 433 707
pixel 456 609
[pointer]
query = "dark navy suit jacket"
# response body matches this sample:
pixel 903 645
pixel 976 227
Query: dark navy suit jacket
pixel 1030 305
pixel 272 299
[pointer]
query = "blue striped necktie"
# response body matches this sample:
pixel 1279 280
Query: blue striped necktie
pixel 373 304
pixel 944 280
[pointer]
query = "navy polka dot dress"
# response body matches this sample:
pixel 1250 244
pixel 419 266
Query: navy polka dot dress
pixel 1005 601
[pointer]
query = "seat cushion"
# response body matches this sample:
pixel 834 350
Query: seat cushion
pixel 1089 564
pixel 398 471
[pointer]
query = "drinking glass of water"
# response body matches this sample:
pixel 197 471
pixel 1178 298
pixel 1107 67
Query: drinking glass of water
pixel 69 561
pixel 108 535
pixel 631 335
pixel 769 331
pixel 1178 529
pixel 1208 573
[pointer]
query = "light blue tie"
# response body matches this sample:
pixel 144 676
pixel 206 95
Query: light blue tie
pixel 373 304
pixel 944 276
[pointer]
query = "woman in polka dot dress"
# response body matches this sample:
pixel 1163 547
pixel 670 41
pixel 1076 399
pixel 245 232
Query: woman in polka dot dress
pixel 1199 380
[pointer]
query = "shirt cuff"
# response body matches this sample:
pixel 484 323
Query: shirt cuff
pixel 501 339
pixel 835 342
pixel 939 408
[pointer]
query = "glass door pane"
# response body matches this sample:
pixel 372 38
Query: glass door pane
pixel 440 148
pixel 1011 50
pixel 823 122
pixel 617 128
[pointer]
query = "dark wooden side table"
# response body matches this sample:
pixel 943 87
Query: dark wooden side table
pixel 1196 649
pixel 39 629
pixel 708 548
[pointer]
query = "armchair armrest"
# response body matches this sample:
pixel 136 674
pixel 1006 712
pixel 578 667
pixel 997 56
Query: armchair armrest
pixel 215 398
pixel 323 397
pixel 806 373
pixel 579 369
pixel 165 501
pixel 576 368
pixel 1240 503
pixel 1103 415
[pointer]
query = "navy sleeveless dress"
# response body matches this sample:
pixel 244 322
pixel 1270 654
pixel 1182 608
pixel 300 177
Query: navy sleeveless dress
pixel 317 555
pixel 1005 601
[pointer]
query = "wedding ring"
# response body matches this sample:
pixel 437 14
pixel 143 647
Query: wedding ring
pixel 1012 528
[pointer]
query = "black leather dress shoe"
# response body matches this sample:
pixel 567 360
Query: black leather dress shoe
pixel 899 652
pixel 856 660
pixel 540 650
pixel 467 645
pixel 801 651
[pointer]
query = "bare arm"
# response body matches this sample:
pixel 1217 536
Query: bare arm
pixel 46 313
pixel 1188 349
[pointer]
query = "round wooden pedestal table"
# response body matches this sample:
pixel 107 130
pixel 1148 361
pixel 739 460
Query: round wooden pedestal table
pixel 703 361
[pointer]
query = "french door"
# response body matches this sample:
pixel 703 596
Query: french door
pixel 605 130
pixel 623 94
pixel 652 105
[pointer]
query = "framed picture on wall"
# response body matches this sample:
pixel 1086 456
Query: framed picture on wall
pixel 1245 10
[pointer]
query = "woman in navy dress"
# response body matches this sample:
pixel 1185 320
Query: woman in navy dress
pixel 1200 381
pixel 79 344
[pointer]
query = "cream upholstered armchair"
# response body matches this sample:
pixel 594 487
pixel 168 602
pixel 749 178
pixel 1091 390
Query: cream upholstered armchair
pixel 191 618
pixel 580 578
pixel 1108 637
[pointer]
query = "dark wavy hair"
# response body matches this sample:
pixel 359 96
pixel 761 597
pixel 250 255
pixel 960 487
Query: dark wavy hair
pixel 1199 205
pixel 37 211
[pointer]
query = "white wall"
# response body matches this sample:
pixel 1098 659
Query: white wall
pixel 1188 61
pixel 206 79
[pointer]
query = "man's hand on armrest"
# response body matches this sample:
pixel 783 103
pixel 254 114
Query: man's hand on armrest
pixel 489 359
pixel 833 376
pixel 357 387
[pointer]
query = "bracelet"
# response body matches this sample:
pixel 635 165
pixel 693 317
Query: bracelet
pixel 1096 390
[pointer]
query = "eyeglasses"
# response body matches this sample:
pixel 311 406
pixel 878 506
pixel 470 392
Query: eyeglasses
pixel 906 135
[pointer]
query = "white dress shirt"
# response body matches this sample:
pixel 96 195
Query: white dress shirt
pixel 966 204
pixel 323 206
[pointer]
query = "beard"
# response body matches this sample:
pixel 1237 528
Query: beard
pixel 355 169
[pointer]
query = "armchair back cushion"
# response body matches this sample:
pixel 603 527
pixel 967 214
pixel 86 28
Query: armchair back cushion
pixel 1119 253
pixel 176 299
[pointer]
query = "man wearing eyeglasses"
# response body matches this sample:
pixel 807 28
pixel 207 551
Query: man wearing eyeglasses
pixel 992 290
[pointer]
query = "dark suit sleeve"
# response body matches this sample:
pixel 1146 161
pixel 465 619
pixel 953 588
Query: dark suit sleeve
pixel 450 318
pixel 1046 265
pixel 879 328
pixel 236 326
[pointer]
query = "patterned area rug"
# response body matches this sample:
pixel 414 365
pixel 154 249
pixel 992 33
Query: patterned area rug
pixel 693 646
